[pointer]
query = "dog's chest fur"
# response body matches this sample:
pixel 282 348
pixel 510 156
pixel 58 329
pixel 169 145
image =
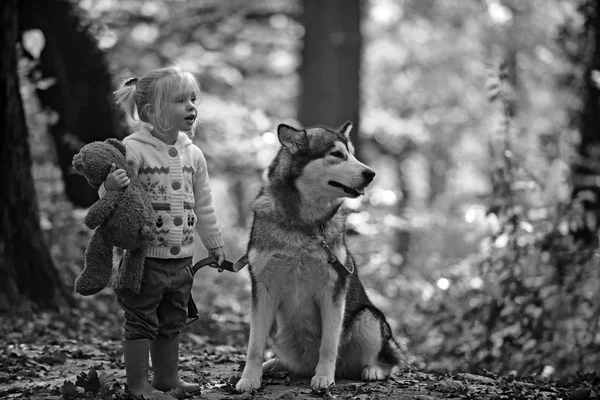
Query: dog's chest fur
pixel 291 264
pixel 297 277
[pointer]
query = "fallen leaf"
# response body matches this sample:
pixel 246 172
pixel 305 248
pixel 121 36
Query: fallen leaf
pixel 90 382
pixel 361 397
pixel 580 394
pixel 53 358
pixel 448 386
pixel 288 396
pixel 69 390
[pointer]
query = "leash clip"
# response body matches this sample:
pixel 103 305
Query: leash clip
pixel 331 258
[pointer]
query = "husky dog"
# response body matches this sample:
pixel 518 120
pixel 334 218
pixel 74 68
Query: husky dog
pixel 303 277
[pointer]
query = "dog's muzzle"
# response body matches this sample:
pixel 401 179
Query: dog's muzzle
pixel 367 174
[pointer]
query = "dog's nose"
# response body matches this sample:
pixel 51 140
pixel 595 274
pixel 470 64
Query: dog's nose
pixel 368 175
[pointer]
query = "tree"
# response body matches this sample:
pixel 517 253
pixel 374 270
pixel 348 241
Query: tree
pixel 26 265
pixel 330 69
pixel 81 96
pixel 82 93
pixel 587 168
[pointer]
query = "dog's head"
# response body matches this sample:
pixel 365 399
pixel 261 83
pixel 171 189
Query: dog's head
pixel 321 162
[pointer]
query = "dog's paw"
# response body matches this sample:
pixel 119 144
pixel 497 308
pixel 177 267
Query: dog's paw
pixel 247 384
pixel 321 381
pixel 374 373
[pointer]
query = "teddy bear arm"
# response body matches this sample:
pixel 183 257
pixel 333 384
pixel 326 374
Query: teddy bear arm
pixel 101 210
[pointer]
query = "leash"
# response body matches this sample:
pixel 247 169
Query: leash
pixel 192 311
pixel 340 268
pixel 225 265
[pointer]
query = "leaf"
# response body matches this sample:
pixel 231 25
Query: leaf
pixel 580 394
pixel 34 42
pixel 361 397
pixel 448 386
pixel 289 395
pixel 44 84
pixel 477 378
pixel 90 382
pixel 69 390
pixel 322 393
pixel 53 358
pixel 180 394
pixel 596 78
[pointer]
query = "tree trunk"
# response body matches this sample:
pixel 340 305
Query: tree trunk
pixel 82 94
pixel 26 266
pixel 587 170
pixel 330 70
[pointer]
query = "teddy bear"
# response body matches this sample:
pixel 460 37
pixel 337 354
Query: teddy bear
pixel 121 218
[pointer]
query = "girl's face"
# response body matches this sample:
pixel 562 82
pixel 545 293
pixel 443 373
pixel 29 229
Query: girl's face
pixel 174 109
pixel 180 112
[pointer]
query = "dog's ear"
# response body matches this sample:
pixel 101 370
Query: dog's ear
pixel 291 138
pixel 345 129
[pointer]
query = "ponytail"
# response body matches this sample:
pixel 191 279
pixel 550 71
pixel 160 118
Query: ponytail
pixel 125 97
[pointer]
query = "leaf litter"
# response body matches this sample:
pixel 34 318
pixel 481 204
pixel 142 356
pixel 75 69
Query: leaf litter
pixel 77 355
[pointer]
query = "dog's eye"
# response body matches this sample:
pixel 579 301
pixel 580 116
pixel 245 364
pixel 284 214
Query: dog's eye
pixel 337 154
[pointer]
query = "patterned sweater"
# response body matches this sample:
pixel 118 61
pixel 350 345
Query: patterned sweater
pixel 176 180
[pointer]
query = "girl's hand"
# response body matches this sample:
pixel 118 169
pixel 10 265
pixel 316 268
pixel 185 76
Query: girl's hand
pixel 116 179
pixel 218 254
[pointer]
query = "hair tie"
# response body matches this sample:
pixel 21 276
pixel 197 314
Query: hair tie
pixel 131 81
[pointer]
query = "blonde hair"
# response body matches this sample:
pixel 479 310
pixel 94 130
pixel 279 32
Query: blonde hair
pixel 155 89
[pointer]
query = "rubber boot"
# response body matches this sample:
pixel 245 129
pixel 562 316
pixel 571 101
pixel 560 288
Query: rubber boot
pixel 165 360
pixel 136 367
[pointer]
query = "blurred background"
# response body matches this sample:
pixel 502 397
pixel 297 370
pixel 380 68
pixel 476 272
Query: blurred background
pixel 477 237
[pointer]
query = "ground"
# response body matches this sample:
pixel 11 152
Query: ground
pixel 63 369
pixel 77 354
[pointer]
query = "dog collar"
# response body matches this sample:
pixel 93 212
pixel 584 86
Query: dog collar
pixel 340 268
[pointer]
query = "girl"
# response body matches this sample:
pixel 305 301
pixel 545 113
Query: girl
pixel 174 173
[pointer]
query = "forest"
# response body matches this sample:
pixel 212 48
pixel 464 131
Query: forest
pixel 478 237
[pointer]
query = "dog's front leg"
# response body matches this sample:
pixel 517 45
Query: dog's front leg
pixel 263 315
pixel 332 311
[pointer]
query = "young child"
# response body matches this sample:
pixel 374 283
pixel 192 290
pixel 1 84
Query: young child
pixel 174 174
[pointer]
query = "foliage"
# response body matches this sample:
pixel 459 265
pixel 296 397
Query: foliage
pixel 534 297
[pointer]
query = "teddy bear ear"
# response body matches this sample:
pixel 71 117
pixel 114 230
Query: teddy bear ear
pixel 117 143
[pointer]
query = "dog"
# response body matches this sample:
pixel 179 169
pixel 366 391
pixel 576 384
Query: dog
pixel 306 292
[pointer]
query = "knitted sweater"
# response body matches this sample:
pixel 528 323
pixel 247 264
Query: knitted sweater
pixel 176 181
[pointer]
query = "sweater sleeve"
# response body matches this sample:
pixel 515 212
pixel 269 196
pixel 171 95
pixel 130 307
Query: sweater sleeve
pixel 207 227
pixel 133 162
pixel 99 188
